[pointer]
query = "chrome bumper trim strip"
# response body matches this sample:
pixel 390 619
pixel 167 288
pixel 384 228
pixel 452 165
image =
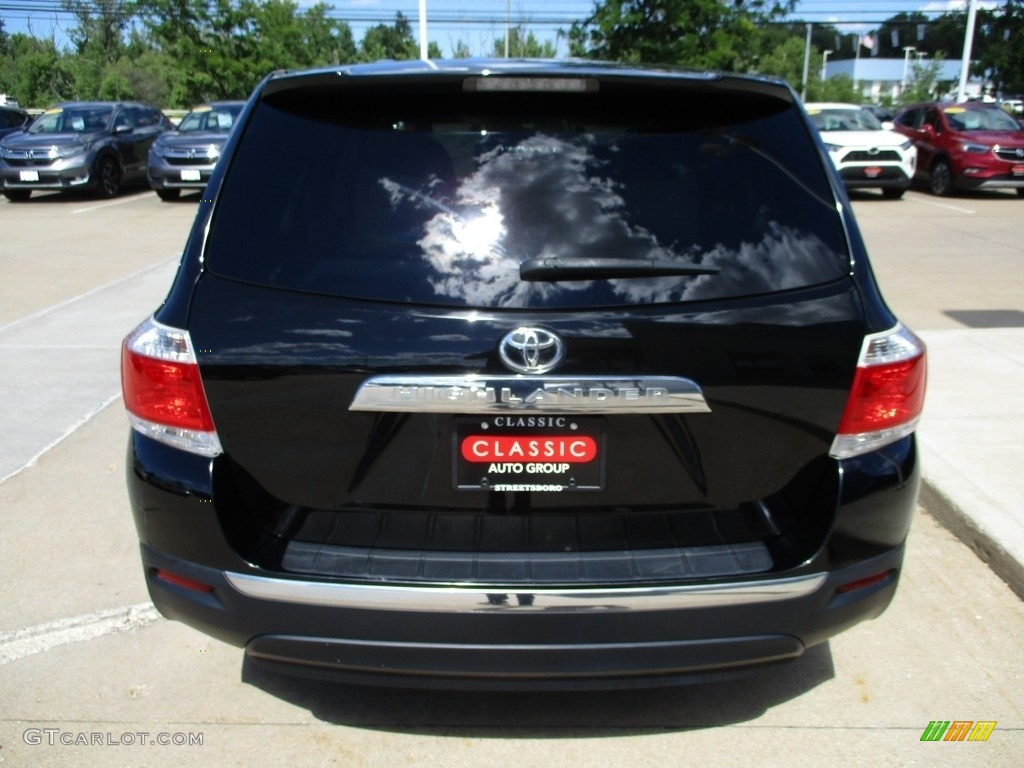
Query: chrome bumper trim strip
pixel 476 600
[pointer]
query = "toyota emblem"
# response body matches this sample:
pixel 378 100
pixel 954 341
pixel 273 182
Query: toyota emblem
pixel 531 350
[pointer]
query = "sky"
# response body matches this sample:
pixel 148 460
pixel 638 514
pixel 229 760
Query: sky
pixel 479 22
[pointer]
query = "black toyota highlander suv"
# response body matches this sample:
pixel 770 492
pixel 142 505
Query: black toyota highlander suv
pixel 526 377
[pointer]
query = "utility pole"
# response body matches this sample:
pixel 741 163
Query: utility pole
pixel 807 63
pixel 965 62
pixel 423 30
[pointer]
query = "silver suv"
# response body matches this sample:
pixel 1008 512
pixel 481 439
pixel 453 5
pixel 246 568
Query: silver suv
pixel 184 159
pixel 98 146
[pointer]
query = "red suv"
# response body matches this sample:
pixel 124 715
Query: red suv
pixel 965 146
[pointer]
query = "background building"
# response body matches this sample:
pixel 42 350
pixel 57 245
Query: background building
pixel 885 79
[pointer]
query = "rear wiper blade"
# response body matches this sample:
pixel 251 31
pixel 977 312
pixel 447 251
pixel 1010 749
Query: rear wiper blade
pixel 583 268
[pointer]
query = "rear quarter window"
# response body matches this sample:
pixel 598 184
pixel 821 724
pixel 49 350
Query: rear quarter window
pixel 436 196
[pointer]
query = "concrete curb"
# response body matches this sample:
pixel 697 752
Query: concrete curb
pixel 952 516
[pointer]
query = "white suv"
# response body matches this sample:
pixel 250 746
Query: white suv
pixel 865 152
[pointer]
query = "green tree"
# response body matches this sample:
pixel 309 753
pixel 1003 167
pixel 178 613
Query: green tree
pixel 909 29
pixel 6 63
pixel 923 83
pixel 222 48
pixel 39 73
pixel 394 41
pixel 98 42
pixel 523 45
pixel 1003 59
pixel 695 33
pixel 836 88
pixel 782 55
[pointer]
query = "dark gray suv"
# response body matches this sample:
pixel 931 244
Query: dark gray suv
pixel 517 375
pixel 184 159
pixel 98 146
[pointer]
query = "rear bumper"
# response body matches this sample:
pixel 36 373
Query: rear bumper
pixel 548 638
pixel 503 634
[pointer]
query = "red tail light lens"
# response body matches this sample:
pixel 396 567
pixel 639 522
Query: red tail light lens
pixel 887 395
pixel 163 390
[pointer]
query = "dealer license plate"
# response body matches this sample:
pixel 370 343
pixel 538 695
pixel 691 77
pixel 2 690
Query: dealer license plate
pixel 872 172
pixel 28 175
pixel 545 454
pixel 190 175
pixel 1017 170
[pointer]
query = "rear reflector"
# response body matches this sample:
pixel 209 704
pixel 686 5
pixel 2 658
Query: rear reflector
pixel 865 582
pixel 163 390
pixel 182 581
pixel 887 395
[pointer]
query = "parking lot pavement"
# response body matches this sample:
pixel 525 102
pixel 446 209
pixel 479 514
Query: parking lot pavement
pixel 60 365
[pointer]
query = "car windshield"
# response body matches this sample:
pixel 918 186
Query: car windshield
pixel 965 119
pixel 72 120
pixel 841 119
pixel 219 119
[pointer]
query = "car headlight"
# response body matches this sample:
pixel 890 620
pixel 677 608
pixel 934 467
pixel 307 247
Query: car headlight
pixel 833 147
pixel 978 149
pixel 906 145
pixel 70 150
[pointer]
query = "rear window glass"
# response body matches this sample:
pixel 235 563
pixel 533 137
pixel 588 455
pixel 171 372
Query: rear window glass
pixel 438 198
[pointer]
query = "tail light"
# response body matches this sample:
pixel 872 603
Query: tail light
pixel 163 390
pixel 887 394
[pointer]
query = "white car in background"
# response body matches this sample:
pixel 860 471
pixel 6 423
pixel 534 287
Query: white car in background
pixel 866 154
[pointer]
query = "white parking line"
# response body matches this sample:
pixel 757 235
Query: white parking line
pixel 947 206
pixel 119 201
pixel 32 640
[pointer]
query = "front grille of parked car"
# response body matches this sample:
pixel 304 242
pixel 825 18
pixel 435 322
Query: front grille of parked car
pixel 189 161
pixel 189 157
pixel 863 156
pixel 1012 154
pixel 28 162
